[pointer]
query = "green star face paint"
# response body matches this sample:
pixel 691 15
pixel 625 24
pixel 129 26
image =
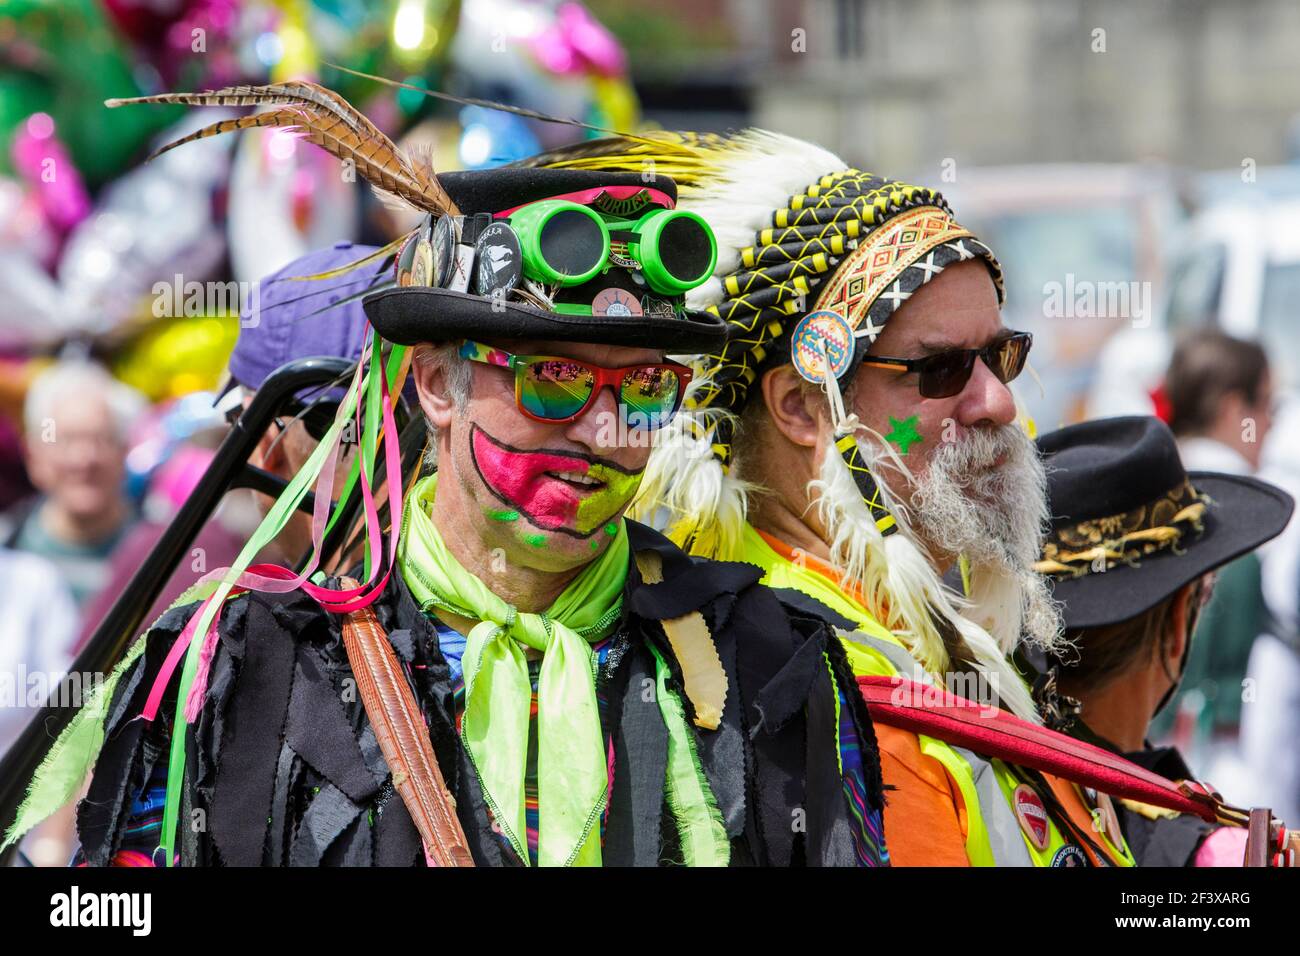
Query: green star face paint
pixel 903 433
pixel 554 490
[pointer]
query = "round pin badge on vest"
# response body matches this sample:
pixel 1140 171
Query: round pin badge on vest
pixel 1069 855
pixel 1032 816
pixel 818 332
pixel 615 303
pixel 442 248
pixel 1104 816
pixel 499 260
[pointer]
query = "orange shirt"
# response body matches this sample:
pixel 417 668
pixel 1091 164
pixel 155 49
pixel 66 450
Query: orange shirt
pixel 925 816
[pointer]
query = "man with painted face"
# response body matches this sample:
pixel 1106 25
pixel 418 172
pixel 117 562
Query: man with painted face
pixel 856 439
pixel 589 693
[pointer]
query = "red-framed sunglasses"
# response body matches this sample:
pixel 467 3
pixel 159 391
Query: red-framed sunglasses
pixel 946 373
pixel 556 390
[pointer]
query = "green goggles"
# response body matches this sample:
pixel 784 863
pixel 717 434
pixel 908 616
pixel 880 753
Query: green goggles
pixel 567 244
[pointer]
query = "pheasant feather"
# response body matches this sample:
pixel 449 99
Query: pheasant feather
pixel 327 120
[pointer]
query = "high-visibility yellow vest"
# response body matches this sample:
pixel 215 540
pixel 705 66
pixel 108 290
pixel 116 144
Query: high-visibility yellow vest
pixel 994 836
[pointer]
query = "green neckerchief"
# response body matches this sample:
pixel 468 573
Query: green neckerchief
pixel 572 777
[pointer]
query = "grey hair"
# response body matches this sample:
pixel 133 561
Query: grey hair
pixel 80 377
pixel 458 374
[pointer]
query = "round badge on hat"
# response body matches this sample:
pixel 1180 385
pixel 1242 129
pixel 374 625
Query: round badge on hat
pixel 616 303
pixel 406 262
pixel 657 308
pixel 820 338
pixel 442 246
pixel 499 260
pixel 422 266
pixel 1032 815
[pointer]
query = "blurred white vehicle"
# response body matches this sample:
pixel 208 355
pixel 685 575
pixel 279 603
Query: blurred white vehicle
pixel 1068 227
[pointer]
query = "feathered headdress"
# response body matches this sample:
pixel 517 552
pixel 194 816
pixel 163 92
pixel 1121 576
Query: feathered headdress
pixel 814 257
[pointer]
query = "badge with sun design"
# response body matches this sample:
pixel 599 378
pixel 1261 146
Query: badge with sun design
pixel 616 303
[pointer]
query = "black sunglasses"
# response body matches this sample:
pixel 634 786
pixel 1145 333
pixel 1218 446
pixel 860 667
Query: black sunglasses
pixel 946 373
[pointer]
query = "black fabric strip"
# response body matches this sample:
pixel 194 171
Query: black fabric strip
pixel 397 842
pixel 278 838
pixel 319 730
pixel 632 835
pixel 357 845
pixel 830 839
pixel 778 756
pixel 722 751
pixel 330 813
pixel 117 775
pixel 783 697
pixel 241 801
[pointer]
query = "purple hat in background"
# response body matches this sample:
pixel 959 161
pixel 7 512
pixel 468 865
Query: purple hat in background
pixel 294 320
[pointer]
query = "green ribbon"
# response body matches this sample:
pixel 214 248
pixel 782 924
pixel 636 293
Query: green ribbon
pixel 701 833
pixel 572 777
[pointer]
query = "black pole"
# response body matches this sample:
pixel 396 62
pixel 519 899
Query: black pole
pixel 122 624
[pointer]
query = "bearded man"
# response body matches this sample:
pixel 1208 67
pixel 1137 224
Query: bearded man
pixel 533 680
pixel 857 440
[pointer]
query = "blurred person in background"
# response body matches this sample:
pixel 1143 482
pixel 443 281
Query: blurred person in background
pixel 77 419
pixel 1270 715
pixel 1134 546
pixel 283 330
pixel 1218 392
pixel 1220 401
pixel 37 630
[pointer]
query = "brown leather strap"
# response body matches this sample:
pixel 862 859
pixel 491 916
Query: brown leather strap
pixel 1259 837
pixel 403 738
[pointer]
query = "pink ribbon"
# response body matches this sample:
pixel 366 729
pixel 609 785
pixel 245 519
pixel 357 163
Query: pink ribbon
pixel 272 578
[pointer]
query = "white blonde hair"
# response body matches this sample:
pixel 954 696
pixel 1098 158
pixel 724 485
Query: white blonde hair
pixel 84 378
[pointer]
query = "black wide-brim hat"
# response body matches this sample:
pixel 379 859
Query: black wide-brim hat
pixel 1130 526
pixel 419 313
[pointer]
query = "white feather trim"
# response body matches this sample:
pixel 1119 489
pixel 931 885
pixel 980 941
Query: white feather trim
pixel 756 176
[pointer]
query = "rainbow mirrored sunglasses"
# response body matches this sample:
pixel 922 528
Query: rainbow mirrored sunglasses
pixel 555 389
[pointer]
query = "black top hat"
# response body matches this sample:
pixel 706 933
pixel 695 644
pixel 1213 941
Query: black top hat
pixel 615 307
pixel 1130 525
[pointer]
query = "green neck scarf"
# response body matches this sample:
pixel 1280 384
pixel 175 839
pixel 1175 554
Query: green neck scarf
pixel 571 770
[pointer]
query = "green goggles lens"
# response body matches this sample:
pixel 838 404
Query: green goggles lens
pixel 567 244
pixel 562 242
pixel 676 250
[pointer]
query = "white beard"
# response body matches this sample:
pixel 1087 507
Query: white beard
pixel 996 517
pixel 900 585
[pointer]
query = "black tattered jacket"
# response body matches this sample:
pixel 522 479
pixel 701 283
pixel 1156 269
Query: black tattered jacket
pixel 283 768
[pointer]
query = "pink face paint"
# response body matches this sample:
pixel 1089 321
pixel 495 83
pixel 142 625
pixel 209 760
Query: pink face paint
pixel 526 481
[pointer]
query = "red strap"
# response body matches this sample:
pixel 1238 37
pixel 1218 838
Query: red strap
pixel 933 711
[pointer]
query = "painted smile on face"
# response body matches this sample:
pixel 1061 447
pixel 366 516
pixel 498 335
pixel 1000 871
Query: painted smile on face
pixel 560 491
